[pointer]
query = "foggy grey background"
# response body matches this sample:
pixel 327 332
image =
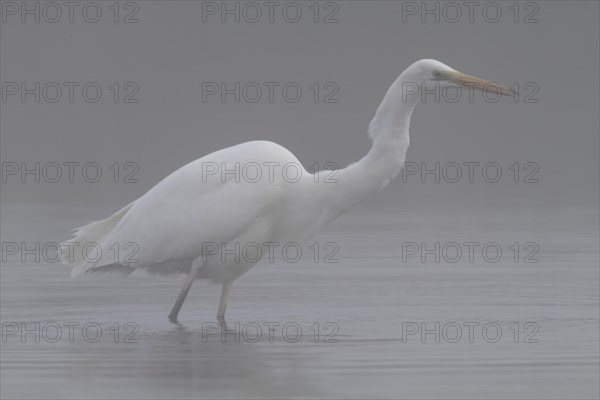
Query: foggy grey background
pixel 370 292
pixel 170 52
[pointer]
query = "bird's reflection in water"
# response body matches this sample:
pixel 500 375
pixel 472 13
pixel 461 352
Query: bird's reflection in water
pixel 181 361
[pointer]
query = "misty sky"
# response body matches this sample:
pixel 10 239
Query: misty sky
pixel 163 60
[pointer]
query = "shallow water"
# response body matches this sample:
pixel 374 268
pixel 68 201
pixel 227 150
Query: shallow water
pixel 361 305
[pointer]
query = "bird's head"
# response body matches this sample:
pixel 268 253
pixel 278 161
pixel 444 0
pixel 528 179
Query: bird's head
pixel 429 73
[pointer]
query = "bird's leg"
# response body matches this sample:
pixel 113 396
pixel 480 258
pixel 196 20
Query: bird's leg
pixel 184 291
pixel 223 303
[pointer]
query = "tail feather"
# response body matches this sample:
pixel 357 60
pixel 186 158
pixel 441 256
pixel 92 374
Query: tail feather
pixel 114 269
pixel 94 232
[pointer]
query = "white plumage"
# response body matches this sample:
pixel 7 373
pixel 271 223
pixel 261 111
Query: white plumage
pixel 218 199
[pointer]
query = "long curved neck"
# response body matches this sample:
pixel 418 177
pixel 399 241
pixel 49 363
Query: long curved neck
pixel 389 132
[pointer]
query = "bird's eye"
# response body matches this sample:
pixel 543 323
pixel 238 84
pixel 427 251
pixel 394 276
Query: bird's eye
pixel 437 74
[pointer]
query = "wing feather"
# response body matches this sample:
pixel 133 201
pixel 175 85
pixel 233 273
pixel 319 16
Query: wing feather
pixel 187 209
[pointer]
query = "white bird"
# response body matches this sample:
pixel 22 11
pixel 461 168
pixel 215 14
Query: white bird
pixel 212 202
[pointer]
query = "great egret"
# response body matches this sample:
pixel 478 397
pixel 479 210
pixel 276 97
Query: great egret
pixel 206 202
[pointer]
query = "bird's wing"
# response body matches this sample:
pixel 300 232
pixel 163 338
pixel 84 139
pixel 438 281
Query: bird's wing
pixel 186 210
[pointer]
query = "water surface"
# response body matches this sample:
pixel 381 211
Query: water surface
pixel 360 305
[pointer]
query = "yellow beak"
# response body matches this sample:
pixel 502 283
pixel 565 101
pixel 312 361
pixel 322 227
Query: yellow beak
pixel 480 84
